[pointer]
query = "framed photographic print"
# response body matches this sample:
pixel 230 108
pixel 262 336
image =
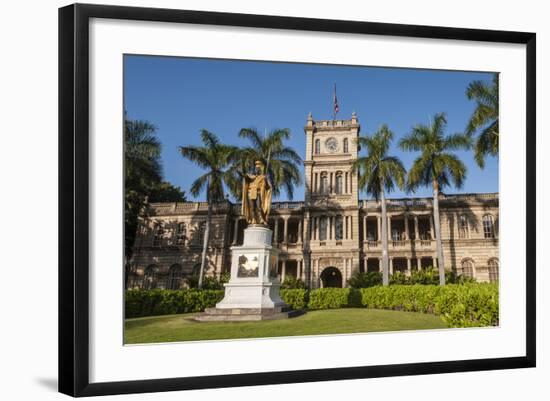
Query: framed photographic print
pixel 251 199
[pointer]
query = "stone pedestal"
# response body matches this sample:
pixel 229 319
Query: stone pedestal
pixel 252 292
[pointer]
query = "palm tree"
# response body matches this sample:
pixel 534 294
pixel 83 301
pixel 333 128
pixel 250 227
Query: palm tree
pixel 214 157
pixel 435 166
pixel 378 174
pixel 484 118
pixel 142 171
pixel 282 161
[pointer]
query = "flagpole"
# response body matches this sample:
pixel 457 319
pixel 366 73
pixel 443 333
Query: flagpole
pixel 333 104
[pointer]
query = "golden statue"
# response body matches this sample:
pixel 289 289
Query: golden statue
pixel 256 196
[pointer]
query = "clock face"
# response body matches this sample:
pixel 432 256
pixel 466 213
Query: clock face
pixel 331 144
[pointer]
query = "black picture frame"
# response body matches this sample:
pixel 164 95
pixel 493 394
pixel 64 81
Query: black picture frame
pixel 74 198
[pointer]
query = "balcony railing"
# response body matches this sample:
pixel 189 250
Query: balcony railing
pixel 399 244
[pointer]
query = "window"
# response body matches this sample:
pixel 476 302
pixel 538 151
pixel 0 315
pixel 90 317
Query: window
pixel 323 229
pixel 395 234
pixel 493 270
pixel 158 232
pixel 339 228
pixel 324 184
pixel 463 226
pixel 317 146
pixel 180 234
pixel 346 148
pixel 150 277
pixel 339 183
pixel 488 226
pixel 175 277
pixel 468 268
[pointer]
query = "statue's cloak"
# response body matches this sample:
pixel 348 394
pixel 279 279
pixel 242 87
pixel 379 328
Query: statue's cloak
pixel 264 193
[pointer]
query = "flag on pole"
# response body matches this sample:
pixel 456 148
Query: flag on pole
pixel 335 103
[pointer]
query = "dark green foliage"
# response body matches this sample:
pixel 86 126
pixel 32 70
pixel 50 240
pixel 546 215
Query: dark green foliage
pixel 399 278
pixel 295 298
pixel 333 298
pixel 142 176
pixel 292 283
pixel 140 303
pixel 365 280
pixel 208 283
pixel 166 192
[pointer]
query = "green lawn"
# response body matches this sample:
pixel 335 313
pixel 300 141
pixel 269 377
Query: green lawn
pixel 158 329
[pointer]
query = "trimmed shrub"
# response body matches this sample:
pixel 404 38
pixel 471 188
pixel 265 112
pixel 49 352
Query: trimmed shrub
pixel 460 305
pixel 293 283
pixel 208 282
pixel 365 280
pixel 295 298
pixel 334 298
pixel 140 303
pixel 465 305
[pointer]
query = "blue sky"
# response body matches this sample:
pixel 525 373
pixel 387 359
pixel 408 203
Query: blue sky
pixel 180 96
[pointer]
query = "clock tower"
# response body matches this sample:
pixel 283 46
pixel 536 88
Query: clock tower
pixel 330 152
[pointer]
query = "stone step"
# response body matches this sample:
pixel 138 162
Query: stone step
pixel 242 315
pixel 239 318
pixel 246 311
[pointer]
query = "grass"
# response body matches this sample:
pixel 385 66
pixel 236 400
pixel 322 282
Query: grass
pixel 158 329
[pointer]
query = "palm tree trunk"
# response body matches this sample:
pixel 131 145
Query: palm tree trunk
pixel 206 235
pixel 437 226
pixel 385 258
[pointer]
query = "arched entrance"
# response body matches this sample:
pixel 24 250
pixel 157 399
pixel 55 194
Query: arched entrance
pixel 331 278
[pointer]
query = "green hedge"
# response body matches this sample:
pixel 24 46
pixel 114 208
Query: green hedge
pixel 163 302
pixel 460 305
pixel 334 298
pixel 295 298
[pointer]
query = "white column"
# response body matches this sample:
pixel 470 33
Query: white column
pixel 380 265
pixel 406 227
pixel 416 236
pixel 365 231
pixel 315 184
pixel 283 272
pixel 346 183
pixel 434 262
pixel 418 264
pixel 332 224
pixel 389 228
pixel 276 231
pixel 391 265
pixel 317 229
pixel 379 227
pixel 346 261
pixel 285 230
pixel 300 236
pixel 432 227
pixel 345 223
pixel 350 227
pixel 409 266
